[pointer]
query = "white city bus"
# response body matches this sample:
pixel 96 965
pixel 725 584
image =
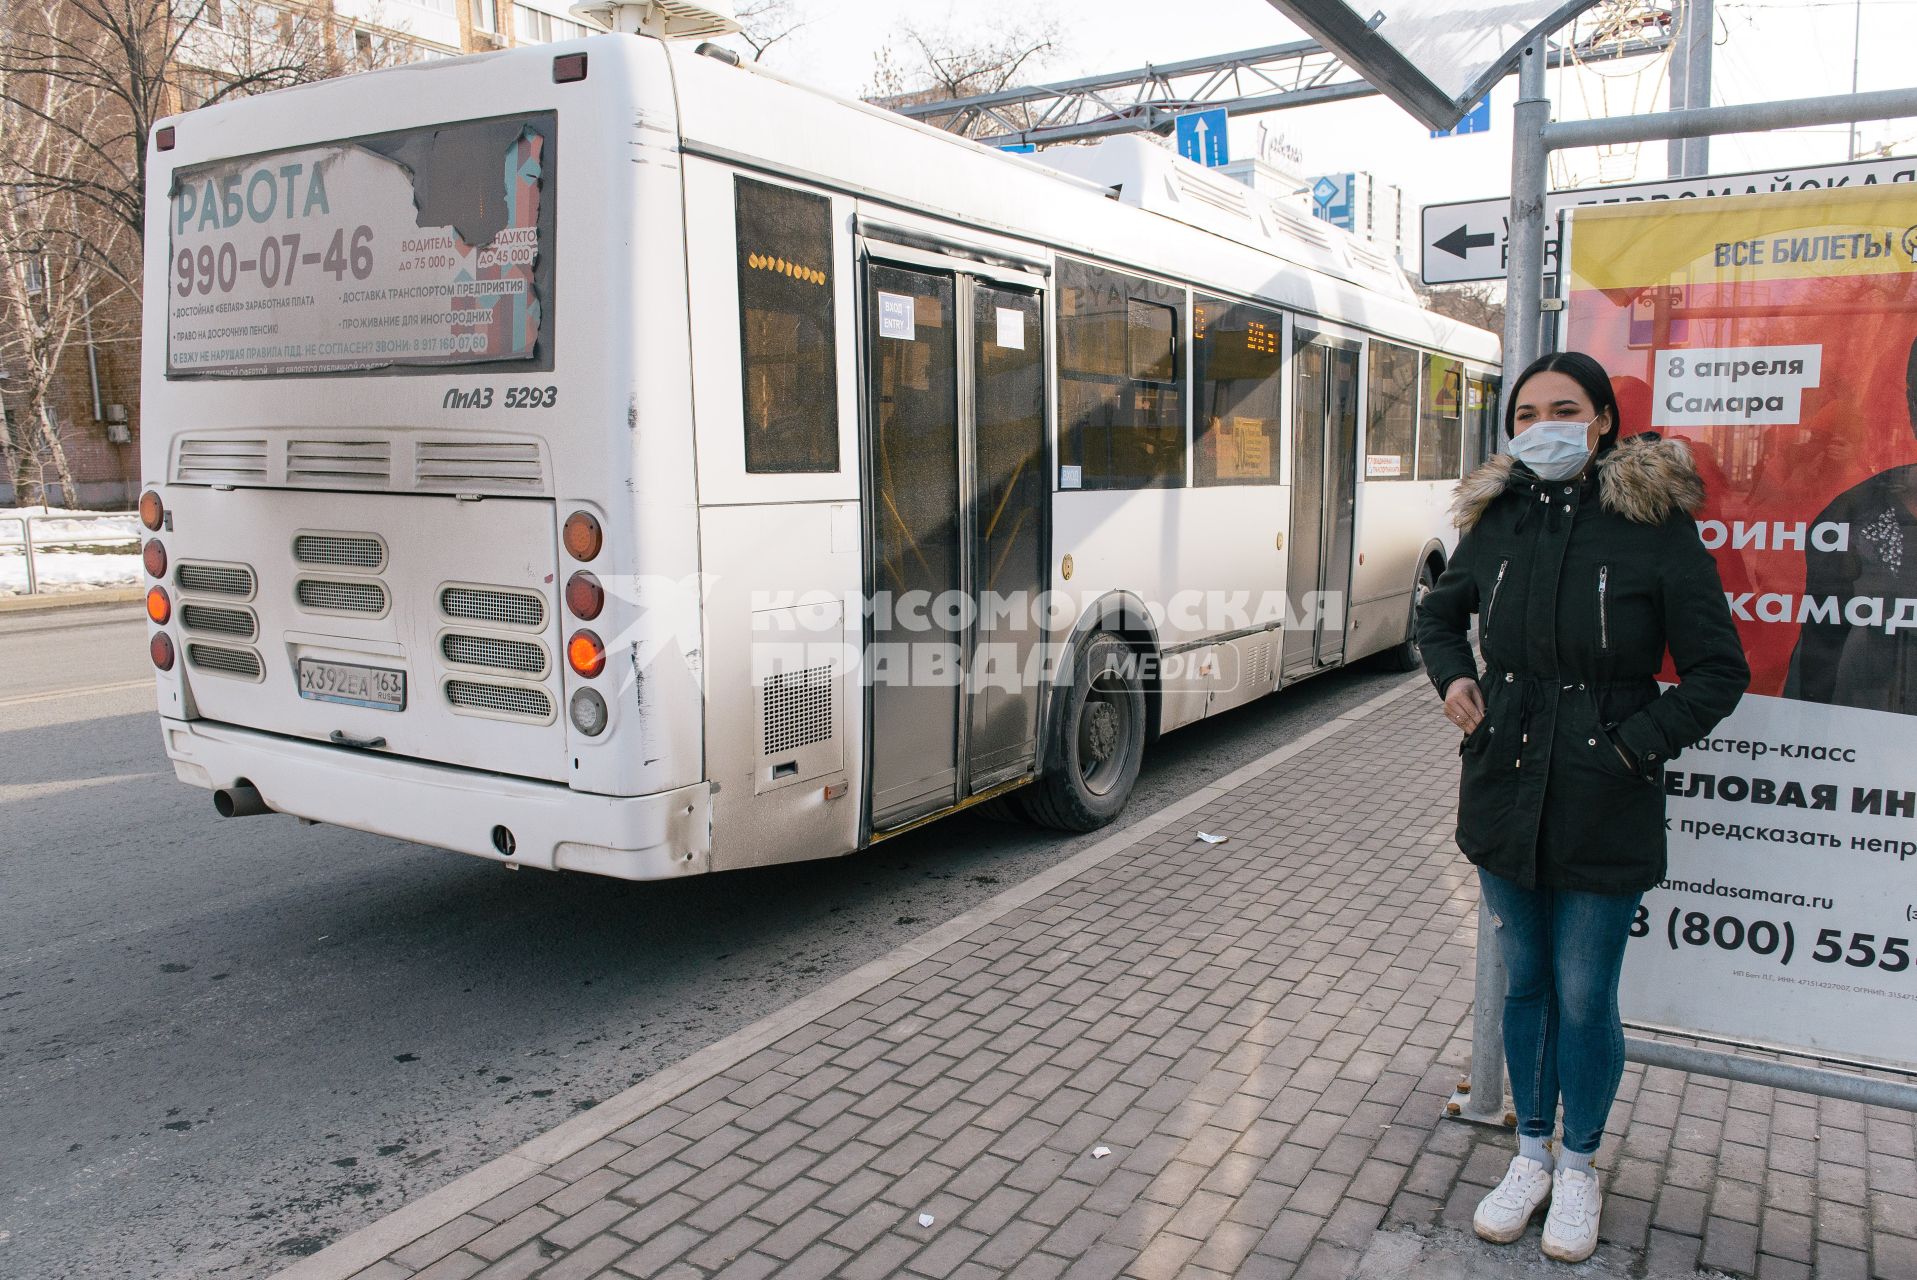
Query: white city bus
pixel 504 413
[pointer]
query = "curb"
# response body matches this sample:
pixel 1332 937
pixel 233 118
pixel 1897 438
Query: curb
pixel 44 603
pixel 373 1242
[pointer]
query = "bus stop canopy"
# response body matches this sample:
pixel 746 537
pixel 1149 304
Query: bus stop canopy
pixel 1434 58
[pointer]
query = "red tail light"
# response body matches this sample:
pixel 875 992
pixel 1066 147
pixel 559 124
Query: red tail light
pixel 586 654
pixel 158 606
pixel 583 537
pixel 153 555
pixel 584 596
pixel 161 647
pixel 152 510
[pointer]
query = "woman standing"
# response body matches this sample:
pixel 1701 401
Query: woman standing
pixel 1582 560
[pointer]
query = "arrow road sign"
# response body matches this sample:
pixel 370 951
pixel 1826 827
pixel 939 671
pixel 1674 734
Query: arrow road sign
pixel 1466 241
pixel 1203 136
pixel 1461 242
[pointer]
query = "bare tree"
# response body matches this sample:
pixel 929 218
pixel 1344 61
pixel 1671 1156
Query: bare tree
pixel 764 23
pixel 62 256
pixel 923 64
pixel 1480 305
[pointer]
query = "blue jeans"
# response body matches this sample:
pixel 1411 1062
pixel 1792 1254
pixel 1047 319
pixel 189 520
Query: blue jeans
pixel 1562 1037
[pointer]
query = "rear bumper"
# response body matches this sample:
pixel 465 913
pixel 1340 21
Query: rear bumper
pixel 631 838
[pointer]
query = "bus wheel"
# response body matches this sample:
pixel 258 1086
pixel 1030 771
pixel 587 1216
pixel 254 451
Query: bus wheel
pixel 1407 656
pixel 1101 741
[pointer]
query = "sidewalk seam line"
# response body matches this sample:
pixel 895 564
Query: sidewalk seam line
pixel 410 1222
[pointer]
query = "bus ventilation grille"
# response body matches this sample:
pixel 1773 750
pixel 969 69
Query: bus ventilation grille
pixel 522 656
pixel 219 620
pixel 214 461
pixel 342 550
pixel 485 604
pixel 337 464
pixel 215 579
pixel 798 709
pixel 478 466
pixel 1257 672
pixel 340 597
pixel 515 701
pixel 227 662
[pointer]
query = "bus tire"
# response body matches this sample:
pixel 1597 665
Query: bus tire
pixel 1100 741
pixel 1407 656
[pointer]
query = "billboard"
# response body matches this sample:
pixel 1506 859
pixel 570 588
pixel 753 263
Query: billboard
pixel 1777 334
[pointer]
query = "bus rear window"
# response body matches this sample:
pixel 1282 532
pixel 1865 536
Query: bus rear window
pixel 424 247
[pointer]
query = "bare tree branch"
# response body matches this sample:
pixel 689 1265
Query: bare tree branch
pixel 764 23
pixel 923 64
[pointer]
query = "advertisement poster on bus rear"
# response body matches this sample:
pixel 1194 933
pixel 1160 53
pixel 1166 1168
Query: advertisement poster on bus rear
pixel 1777 335
pixel 424 247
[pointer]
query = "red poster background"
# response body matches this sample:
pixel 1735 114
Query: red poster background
pixel 1853 425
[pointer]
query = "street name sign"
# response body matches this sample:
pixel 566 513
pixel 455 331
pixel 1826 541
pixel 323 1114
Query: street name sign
pixel 1466 241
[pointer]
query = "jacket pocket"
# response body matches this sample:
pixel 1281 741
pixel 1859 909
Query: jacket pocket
pixel 1604 746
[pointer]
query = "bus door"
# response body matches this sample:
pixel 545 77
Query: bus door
pixel 1323 498
pixel 956 505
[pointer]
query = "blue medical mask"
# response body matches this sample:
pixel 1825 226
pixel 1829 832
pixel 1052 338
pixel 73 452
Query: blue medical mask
pixel 1553 450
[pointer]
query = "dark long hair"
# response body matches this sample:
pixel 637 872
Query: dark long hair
pixel 1581 369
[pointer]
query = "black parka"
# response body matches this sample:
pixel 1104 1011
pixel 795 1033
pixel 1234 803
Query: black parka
pixel 1580 587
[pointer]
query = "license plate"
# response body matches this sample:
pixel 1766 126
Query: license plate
pixel 356 686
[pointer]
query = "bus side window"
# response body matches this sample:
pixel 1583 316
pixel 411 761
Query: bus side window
pixel 1235 357
pixel 788 357
pixel 1391 412
pixel 1480 411
pixel 1121 402
pixel 1441 424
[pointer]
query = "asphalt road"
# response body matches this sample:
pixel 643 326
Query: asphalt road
pixel 224 1045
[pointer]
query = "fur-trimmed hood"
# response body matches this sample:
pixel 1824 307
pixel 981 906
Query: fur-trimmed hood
pixel 1646 479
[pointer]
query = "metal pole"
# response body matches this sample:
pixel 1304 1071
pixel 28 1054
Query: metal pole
pixel 1776 1075
pixel 26 537
pixel 1680 73
pixel 1483 1103
pixel 1524 270
pixel 1697 150
pixel 1756 117
pixel 1856 49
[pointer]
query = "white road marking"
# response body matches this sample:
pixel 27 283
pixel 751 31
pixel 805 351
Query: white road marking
pixel 33 791
pixel 74 693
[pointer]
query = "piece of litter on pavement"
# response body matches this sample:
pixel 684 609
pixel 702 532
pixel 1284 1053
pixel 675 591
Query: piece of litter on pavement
pixel 925 1219
pixel 1099 1153
pixel 1209 838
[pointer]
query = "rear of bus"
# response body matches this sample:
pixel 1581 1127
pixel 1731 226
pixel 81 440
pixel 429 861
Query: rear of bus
pixel 418 462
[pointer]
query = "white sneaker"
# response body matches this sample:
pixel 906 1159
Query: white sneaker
pixel 1571 1228
pixel 1503 1215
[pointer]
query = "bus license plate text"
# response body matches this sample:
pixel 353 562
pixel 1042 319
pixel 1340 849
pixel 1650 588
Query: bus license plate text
pixel 356 686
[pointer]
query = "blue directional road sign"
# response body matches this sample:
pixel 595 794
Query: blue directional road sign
pixel 1331 199
pixel 1202 137
pixel 1476 120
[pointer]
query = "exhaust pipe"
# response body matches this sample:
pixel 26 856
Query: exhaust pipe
pixel 240 801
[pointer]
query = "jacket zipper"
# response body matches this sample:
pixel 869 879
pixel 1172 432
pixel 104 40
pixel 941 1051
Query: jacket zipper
pixel 1604 620
pixel 1495 586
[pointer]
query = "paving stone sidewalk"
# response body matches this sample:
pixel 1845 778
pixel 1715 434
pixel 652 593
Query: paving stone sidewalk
pixel 1262 1032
